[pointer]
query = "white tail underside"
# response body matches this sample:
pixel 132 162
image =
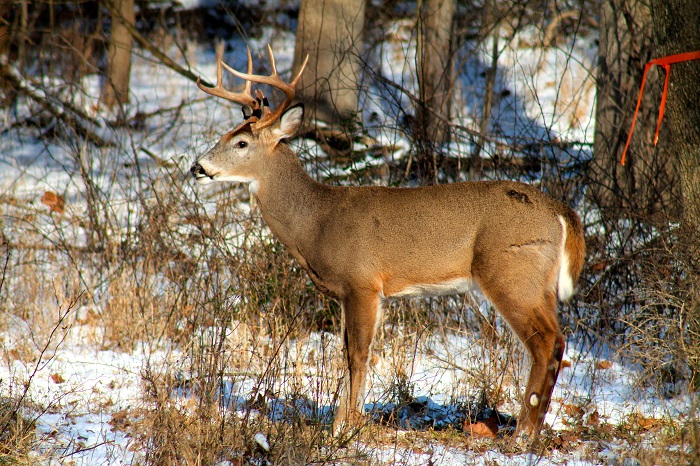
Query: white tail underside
pixel 565 284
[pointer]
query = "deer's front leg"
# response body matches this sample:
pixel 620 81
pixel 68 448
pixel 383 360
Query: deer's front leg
pixel 362 311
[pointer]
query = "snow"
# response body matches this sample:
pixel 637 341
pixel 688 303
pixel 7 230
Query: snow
pixel 96 385
pixel 78 406
pixel 79 388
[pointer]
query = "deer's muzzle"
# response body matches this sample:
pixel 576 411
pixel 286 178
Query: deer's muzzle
pixel 199 173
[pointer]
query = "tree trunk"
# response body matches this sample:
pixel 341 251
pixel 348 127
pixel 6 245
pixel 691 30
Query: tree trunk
pixel 435 79
pixel 330 31
pixel 116 87
pixel 676 30
pixel 647 187
pixel 5 30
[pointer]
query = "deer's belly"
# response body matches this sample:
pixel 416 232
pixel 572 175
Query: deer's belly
pixel 454 286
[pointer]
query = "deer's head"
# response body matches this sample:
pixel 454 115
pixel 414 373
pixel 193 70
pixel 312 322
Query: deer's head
pixel 241 152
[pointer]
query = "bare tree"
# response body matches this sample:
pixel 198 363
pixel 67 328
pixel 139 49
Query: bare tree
pixel 116 87
pixel 675 30
pixel 435 79
pixel 330 32
pixel 647 186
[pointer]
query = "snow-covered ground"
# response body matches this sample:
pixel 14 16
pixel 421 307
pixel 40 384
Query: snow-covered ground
pixel 83 394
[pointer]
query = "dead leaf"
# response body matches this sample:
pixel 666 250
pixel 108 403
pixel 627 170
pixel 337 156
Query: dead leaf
pixel 120 415
pixel 487 429
pixel 55 201
pixel 599 266
pixel 644 423
pixel 10 200
pixel 565 363
pixel 120 420
pixel 57 378
pixel 569 437
pixel 564 440
pixel 602 365
pixel 647 423
pixel 594 419
pixel 573 410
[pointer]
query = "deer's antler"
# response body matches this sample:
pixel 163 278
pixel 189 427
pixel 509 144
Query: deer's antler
pixel 243 98
pixel 259 105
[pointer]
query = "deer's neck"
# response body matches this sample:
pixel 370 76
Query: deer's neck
pixel 291 202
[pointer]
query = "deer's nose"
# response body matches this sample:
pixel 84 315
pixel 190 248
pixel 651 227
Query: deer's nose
pixel 197 171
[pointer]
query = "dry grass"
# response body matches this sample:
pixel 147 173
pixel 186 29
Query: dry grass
pixel 16 432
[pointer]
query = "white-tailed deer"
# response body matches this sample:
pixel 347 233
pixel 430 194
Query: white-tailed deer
pixel 364 244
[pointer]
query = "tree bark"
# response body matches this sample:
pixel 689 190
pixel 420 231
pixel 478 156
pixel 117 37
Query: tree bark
pixel 435 79
pixel 676 30
pixel 116 87
pixel 330 31
pixel 5 30
pixel 647 187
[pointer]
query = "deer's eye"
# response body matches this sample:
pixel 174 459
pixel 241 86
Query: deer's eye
pixel 241 144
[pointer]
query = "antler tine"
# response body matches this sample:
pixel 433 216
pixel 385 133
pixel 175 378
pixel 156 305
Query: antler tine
pixel 219 61
pixel 250 70
pixel 301 70
pixel 274 74
pixel 248 82
pixel 272 61
pixel 245 97
pixel 272 80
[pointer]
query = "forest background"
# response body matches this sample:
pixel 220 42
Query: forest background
pixel 146 321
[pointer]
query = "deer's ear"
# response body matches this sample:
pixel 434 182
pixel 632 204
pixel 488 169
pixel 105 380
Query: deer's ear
pixel 289 122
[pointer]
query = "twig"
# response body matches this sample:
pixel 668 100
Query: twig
pixel 159 161
pixel 7 260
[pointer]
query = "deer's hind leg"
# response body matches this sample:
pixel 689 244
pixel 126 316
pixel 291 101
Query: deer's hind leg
pixel 524 293
pixel 535 323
